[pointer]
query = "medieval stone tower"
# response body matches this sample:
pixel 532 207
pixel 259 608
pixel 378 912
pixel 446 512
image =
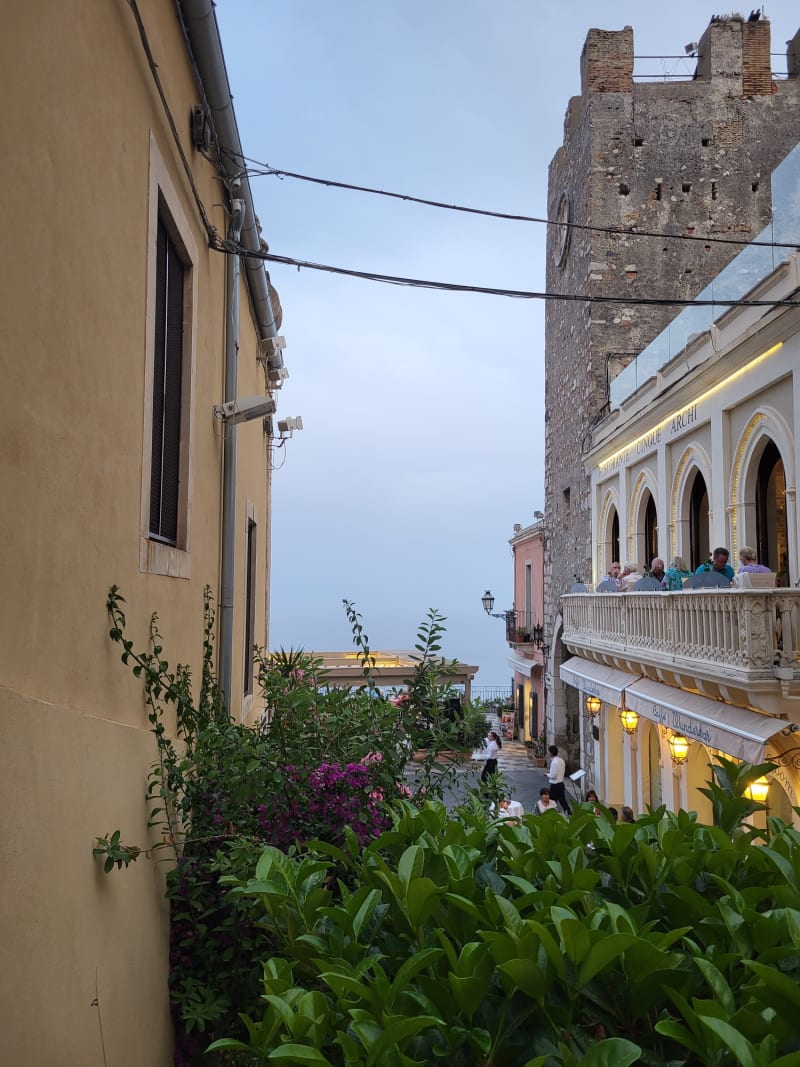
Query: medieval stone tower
pixel 681 157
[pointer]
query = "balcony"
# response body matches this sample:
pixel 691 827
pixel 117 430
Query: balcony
pixel 522 632
pixel 737 645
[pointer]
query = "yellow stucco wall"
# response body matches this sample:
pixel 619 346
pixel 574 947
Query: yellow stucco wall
pixel 80 122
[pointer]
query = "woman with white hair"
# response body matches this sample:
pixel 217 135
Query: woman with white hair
pixel 749 563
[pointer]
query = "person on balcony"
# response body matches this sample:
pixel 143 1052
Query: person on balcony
pixel 629 577
pixel 718 563
pixel 676 574
pixel 657 569
pixel 749 562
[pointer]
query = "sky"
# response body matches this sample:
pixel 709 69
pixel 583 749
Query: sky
pixel 423 411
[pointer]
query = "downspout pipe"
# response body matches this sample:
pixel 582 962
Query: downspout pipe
pixel 238 208
pixel 199 24
pixel 202 33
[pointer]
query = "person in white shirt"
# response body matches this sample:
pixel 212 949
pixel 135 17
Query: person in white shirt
pixel 493 746
pixel 510 809
pixel 629 577
pixel 555 777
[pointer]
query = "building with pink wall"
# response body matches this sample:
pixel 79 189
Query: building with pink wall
pixel 524 630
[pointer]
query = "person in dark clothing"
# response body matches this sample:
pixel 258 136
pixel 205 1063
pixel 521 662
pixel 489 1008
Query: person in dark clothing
pixel 493 746
pixel 555 776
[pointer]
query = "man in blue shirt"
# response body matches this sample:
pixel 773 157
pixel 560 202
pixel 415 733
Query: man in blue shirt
pixel 719 563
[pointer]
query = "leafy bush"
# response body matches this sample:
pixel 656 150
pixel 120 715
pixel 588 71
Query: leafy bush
pixel 553 942
pixel 327 765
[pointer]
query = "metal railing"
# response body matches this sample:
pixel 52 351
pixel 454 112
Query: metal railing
pixel 522 629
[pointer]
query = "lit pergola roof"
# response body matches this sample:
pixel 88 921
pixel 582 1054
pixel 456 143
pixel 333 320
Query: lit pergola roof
pixel 392 668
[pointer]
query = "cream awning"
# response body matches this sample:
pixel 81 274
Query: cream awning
pixel 596 679
pixel 734 731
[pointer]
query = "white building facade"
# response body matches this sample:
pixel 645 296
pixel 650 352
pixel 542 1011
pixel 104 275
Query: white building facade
pixel 701 449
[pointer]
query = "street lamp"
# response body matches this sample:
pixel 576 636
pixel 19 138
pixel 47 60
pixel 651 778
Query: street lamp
pixel 488 603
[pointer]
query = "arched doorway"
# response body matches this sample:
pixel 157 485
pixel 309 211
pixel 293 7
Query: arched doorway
pixel 650 531
pixel 699 547
pixel 772 542
pixel 615 557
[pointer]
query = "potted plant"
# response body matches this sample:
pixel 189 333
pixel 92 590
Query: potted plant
pixel 537 750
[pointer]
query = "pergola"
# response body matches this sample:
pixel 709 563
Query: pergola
pixel 391 669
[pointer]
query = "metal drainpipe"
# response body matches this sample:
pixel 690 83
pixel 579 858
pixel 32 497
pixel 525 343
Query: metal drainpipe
pixel 238 208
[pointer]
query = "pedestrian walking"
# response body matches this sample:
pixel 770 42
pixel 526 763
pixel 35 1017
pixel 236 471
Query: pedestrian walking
pixel 555 777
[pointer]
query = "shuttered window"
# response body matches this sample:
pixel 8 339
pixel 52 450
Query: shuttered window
pixel 250 608
pixel 167 380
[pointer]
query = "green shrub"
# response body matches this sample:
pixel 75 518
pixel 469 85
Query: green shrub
pixel 553 942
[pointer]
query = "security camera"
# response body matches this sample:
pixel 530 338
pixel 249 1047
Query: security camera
pixel 270 347
pixel 244 409
pixel 290 425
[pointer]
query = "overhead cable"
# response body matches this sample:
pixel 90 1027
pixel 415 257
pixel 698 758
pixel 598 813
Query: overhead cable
pixel 264 170
pixel 518 294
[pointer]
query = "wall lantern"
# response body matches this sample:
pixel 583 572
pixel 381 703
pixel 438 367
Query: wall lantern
pixel 629 720
pixel 758 790
pixel 593 705
pixel 678 748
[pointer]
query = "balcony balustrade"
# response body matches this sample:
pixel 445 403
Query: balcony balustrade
pixel 742 645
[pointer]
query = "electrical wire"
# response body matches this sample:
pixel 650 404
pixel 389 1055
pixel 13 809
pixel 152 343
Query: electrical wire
pixel 262 170
pixel 518 294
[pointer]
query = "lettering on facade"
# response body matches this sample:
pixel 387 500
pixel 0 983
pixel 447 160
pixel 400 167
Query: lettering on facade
pixel 683 419
pixel 688 727
pixel 650 440
pixel 616 461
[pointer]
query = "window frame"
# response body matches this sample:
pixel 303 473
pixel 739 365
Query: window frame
pixel 156 556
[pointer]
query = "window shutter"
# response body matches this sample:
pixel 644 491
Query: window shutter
pixel 167 381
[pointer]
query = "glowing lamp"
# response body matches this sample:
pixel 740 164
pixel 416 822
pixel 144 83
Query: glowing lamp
pixel 593 705
pixel 678 748
pixel 629 720
pixel 758 790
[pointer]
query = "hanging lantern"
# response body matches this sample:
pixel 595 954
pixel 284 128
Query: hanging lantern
pixel 758 790
pixel 679 748
pixel 629 720
pixel 593 705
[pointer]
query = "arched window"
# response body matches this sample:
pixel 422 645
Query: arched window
pixel 772 544
pixel 699 547
pixel 650 531
pixel 615 537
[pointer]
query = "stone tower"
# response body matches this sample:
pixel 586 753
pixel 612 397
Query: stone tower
pixel 687 157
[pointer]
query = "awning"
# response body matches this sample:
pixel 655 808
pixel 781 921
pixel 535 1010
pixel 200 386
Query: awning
pixel 735 731
pixel 596 679
pixel 521 665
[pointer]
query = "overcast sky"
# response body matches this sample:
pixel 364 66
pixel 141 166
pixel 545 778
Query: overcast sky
pixel 424 435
